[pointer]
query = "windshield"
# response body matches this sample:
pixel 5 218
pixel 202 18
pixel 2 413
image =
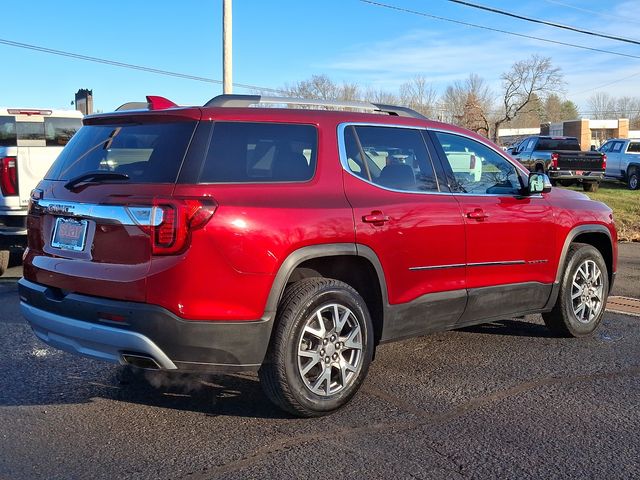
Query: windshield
pixel 558 144
pixel 148 153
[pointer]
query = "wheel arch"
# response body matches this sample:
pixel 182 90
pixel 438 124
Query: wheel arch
pixel 351 263
pixel 595 235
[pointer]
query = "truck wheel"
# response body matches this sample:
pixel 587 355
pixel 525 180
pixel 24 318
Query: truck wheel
pixel 4 261
pixel 632 179
pixel 320 350
pixel 566 183
pixel 590 186
pixel 583 293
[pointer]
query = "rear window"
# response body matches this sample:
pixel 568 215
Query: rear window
pixel 260 152
pixel 7 132
pixel 58 131
pixel 547 144
pixel 30 130
pixel 149 153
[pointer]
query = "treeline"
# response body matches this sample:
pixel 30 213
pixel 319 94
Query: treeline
pixel 531 93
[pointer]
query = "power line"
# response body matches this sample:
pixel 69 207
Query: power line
pixel 544 22
pixel 506 32
pixel 142 68
pixel 594 12
pixel 607 84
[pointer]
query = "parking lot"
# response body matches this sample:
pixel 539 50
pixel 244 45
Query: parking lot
pixel 502 400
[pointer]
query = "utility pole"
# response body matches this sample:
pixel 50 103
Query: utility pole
pixel 226 47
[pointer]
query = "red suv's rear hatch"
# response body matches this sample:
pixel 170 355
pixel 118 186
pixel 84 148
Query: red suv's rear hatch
pixel 105 206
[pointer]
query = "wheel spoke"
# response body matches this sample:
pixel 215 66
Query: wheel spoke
pixel 315 358
pixel 580 309
pixel 341 321
pixel 325 376
pixel 314 331
pixel 350 341
pixel 576 295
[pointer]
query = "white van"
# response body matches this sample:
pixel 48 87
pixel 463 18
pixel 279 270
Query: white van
pixel 30 140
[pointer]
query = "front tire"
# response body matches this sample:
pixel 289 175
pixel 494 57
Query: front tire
pixel 583 293
pixel 320 350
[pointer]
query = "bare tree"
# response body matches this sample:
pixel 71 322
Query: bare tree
pixel 419 95
pixel 468 103
pixel 381 96
pixel 533 76
pixel 602 105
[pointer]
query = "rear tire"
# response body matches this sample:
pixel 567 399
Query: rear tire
pixel 590 186
pixel 566 183
pixel 583 293
pixel 632 179
pixel 320 349
pixel 4 261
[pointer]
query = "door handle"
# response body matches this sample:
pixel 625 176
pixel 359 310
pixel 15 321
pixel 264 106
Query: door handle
pixel 376 217
pixel 477 214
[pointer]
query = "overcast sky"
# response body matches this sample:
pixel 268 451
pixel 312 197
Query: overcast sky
pixel 279 42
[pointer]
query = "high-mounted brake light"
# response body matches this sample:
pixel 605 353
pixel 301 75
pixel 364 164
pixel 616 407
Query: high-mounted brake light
pixel 554 160
pixel 169 222
pixel 29 112
pixel 159 103
pixel 604 161
pixel 9 176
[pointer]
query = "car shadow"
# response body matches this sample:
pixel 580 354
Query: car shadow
pixel 510 327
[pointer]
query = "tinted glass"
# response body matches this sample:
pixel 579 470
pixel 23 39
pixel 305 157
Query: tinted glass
pixel 606 147
pixel 58 131
pixel 260 152
pixel 547 144
pixel 616 147
pixel 150 153
pixel 30 130
pixel 7 132
pixel 395 158
pixel 530 144
pixel 477 168
pixel 634 147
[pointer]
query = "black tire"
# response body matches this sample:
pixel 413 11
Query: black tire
pixel 280 374
pixel 566 183
pixel 590 186
pixel 632 179
pixel 562 320
pixel 553 182
pixel 4 261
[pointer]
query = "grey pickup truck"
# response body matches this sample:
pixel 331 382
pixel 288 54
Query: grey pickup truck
pixel 562 159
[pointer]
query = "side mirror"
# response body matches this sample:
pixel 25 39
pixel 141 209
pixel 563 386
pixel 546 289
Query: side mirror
pixel 538 183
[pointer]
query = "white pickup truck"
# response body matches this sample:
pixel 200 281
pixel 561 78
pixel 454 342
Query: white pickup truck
pixel 623 160
pixel 30 140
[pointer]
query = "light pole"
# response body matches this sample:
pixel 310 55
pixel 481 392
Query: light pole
pixel 226 47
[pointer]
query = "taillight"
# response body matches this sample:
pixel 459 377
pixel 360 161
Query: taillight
pixel 472 162
pixel 604 161
pixel 554 160
pixel 170 222
pixel 9 176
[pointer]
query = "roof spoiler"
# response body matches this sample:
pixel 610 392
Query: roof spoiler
pixel 153 102
pixel 248 100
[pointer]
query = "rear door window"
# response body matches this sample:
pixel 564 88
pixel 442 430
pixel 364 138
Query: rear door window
pixel 634 147
pixel 147 153
pixel 8 131
pixel 58 131
pixel 547 144
pixel 395 158
pixel 243 152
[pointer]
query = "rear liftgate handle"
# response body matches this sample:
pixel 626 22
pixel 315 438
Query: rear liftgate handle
pixel 377 218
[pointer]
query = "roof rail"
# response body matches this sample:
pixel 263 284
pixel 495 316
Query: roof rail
pixel 248 100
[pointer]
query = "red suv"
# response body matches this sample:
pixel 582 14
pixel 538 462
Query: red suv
pixel 294 241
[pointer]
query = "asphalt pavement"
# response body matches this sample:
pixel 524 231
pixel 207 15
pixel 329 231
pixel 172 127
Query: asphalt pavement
pixel 502 400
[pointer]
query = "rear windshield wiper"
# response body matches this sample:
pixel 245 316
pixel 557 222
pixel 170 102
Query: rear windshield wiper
pixel 94 177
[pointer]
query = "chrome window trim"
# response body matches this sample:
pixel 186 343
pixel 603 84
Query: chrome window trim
pixel 132 215
pixel 345 166
pixel 342 151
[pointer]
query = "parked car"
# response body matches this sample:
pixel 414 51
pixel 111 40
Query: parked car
pixel 224 238
pixel 623 160
pixel 562 160
pixel 30 140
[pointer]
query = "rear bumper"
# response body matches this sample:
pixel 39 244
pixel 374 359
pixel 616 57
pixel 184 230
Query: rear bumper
pixel 571 175
pixel 85 325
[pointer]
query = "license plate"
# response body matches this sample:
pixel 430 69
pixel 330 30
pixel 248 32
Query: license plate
pixel 579 172
pixel 69 234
